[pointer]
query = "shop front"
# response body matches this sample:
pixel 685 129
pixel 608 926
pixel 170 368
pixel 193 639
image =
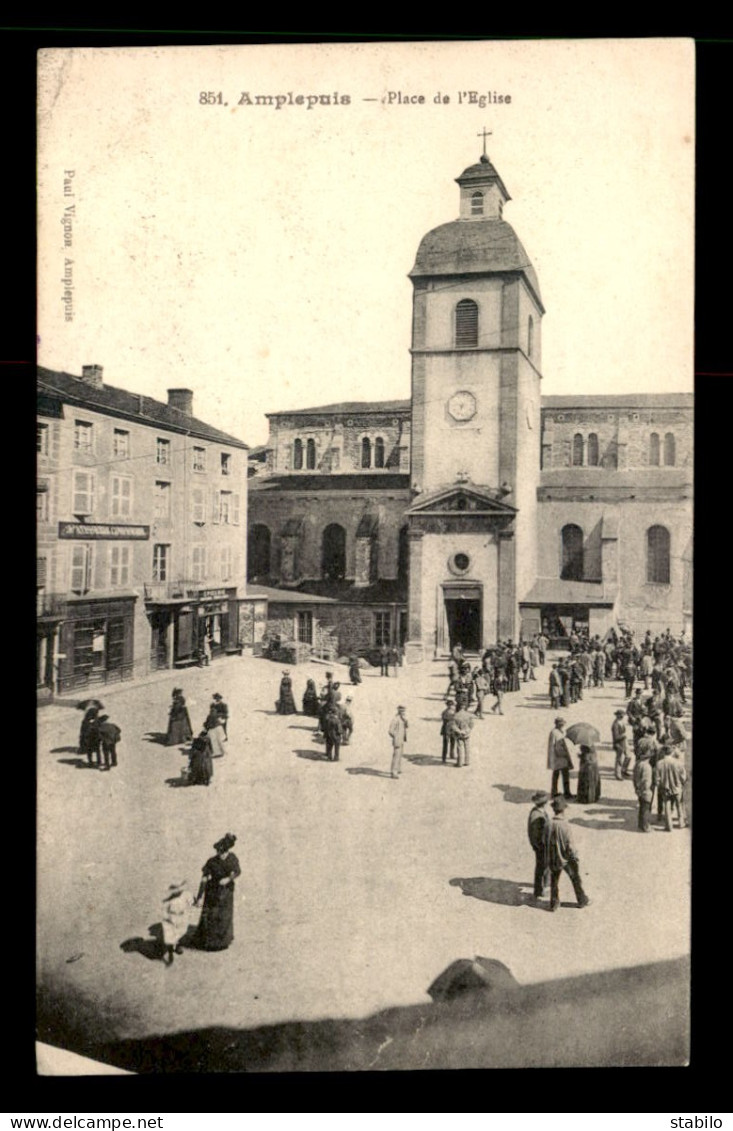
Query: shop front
pixel 96 639
pixel 180 628
pixel 562 610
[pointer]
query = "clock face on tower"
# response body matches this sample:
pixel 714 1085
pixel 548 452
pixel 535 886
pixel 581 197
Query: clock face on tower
pixel 462 405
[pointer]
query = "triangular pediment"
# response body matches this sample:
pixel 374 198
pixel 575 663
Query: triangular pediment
pixel 460 499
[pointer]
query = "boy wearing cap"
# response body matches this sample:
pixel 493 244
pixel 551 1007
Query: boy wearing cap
pixel 563 857
pixel 446 730
pixel 538 830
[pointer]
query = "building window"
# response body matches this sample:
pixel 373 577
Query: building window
pixel 379 452
pixel 226 463
pixel 382 628
pixel 298 455
pixel 577 450
pixel 669 450
pixel 572 553
pixel 83 435
pixel 198 563
pixel 162 500
pixel 199 459
pixel 121 443
pixel 305 628
pixel 310 454
pixel 121 496
pixel 258 552
pixel 477 204
pixel 654 450
pixel 366 452
pixel 119 573
pixel 466 324
pixel 225 508
pixel 335 459
pixel 81 568
pixel 592 450
pixel 83 493
pixel 161 558
pixel 42 508
pixel 162 451
pixel 225 560
pixel 333 553
pixel 403 555
pixel 657 555
pixel 530 336
pixel 42 431
pixel 197 505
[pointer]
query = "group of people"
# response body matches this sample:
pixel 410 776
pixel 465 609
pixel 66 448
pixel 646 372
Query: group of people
pixel 554 848
pixel 208 744
pixel 335 718
pixel 98 736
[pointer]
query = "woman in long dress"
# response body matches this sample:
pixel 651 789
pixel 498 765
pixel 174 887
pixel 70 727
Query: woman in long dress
pixel 310 700
pixel 216 926
pixel 354 670
pixel 89 733
pixel 286 703
pixel 589 778
pixel 179 722
pixel 214 729
pixel 200 766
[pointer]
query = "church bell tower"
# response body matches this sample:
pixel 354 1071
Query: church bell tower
pixel 476 372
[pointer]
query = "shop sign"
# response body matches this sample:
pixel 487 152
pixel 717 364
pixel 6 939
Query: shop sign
pixel 109 531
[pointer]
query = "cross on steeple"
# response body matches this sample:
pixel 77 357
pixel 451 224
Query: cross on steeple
pixel 484 134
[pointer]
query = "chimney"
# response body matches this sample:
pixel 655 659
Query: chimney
pixel 182 399
pixel 92 375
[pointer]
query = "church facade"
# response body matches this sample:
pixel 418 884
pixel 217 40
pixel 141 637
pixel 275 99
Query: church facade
pixel 478 510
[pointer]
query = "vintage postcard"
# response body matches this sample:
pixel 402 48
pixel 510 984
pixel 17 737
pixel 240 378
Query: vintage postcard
pixel 365 449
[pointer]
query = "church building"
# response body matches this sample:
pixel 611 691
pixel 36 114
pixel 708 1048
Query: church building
pixel 478 510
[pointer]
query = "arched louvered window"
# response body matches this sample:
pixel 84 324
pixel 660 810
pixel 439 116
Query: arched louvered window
pixel 669 450
pixel 366 452
pixel 572 553
pixel 654 450
pixel 466 324
pixel 379 452
pixel 310 454
pixel 530 336
pixel 477 204
pixel 333 552
pixel 298 455
pixel 657 555
pixel 577 450
pixel 592 450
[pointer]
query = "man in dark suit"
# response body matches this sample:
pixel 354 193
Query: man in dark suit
pixel 563 857
pixel 333 732
pixel 109 735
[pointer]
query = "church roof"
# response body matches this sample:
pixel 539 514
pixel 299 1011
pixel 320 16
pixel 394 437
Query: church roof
pixel 346 407
pixel 474 248
pixel 620 400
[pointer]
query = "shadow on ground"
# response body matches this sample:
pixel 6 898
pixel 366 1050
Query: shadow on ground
pixel 80 763
pixel 424 760
pixel 369 772
pixel 516 794
pixel 157 736
pixel 312 755
pixel 507 892
pixel 622 816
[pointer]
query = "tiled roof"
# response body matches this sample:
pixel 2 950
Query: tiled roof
pixel 627 478
pixel 621 400
pixel 131 406
pixel 552 591
pixel 354 407
pixel 383 481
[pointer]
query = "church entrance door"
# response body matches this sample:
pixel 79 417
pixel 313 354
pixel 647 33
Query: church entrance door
pixel 464 621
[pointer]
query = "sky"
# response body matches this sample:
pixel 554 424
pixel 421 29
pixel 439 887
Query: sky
pixel 259 255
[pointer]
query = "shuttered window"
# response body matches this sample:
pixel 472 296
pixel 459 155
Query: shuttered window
pixel 466 324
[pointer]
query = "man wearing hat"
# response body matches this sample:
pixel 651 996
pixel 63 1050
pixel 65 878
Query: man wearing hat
pixel 446 730
pixel 538 831
pixel 398 734
pixel 558 759
pixel 618 737
pixel 644 787
pixel 109 735
pixel 563 857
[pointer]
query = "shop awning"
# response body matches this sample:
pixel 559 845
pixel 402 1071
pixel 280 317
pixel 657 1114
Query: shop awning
pixel 553 591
